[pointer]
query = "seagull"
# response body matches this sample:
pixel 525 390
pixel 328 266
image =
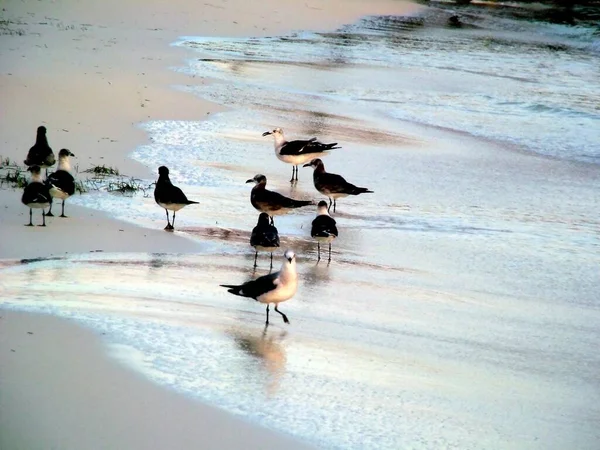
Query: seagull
pixel 332 185
pixel 36 194
pixel 271 202
pixel 323 228
pixel 264 237
pixel 169 196
pixel 40 154
pixel 298 152
pixel 272 288
pixel 61 182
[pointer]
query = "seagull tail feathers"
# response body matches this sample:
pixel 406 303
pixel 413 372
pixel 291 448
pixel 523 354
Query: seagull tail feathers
pixel 361 190
pixel 191 202
pixel 232 289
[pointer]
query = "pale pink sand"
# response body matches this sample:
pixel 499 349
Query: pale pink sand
pixel 58 389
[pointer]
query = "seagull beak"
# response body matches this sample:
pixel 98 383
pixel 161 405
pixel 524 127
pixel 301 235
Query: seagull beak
pixel 266 133
pixel 71 154
pixel 251 180
pixel 307 165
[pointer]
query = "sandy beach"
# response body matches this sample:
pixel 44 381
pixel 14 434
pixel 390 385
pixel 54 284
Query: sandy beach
pixel 460 309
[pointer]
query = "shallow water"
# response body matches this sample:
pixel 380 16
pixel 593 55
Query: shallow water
pixel 373 358
pixel 461 307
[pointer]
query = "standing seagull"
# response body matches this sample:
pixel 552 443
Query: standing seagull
pixel 323 228
pixel 298 152
pixel 273 288
pixel 61 182
pixel 40 154
pixel 271 202
pixel 264 237
pixel 169 196
pixel 36 194
pixel 332 185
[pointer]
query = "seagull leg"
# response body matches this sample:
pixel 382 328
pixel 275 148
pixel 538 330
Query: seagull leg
pixel 334 205
pixel 330 202
pixel 272 220
pixel 168 227
pixel 173 223
pixel 329 260
pixel 271 267
pixel 318 251
pixel 285 319
pixel 30 224
pixel 292 179
pixel 43 219
pixel 63 210
pixel 49 214
pixel 255 256
pixel 267 322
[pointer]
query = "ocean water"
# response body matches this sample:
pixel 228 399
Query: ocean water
pixel 461 307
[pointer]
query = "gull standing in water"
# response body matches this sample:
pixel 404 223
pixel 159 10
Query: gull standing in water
pixel 323 228
pixel 61 182
pixel 299 151
pixel 264 237
pixel 168 196
pixel 271 202
pixel 332 185
pixel 40 154
pixel 272 288
pixel 36 195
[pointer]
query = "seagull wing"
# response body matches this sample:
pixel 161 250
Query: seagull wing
pixel 324 226
pixel 266 236
pixel 255 288
pixel 294 147
pixel 63 180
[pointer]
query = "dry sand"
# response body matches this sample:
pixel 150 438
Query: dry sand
pixel 90 72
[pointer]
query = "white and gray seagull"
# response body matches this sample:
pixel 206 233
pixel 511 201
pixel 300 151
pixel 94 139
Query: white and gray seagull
pixel 264 237
pixel 333 185
pixel 299 151
pixel 61 182
pixel 169 196
pixel 324 229
pixel 274 288
pixel 271 202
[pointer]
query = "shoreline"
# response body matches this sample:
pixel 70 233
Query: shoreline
pixel 104 75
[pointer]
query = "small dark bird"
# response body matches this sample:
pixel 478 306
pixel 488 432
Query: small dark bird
pixel 36 195
pixel 323 228
pixel 168 196
pixel 332 185
pixel 264 237
pixel 271 202
pixel 61 182
pixel 275 287
pixel 298 152
pixel 40 154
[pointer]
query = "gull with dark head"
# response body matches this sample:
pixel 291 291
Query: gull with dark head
pixel 61 182
pixel 264 237
pixel 323 228
pixel 274 288
pixel 271 202
pixel 168 196
pixel 36 195
pixel 332 185
pixel 299 151
pixel 40 154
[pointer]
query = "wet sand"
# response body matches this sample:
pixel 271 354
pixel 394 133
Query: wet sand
pixel 60 389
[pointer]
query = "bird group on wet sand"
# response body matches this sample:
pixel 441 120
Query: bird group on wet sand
pixel 281 286
pixel 273 288
pixel 39 193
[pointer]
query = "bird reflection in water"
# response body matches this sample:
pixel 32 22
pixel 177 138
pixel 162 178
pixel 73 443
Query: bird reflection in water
pixel 266 348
